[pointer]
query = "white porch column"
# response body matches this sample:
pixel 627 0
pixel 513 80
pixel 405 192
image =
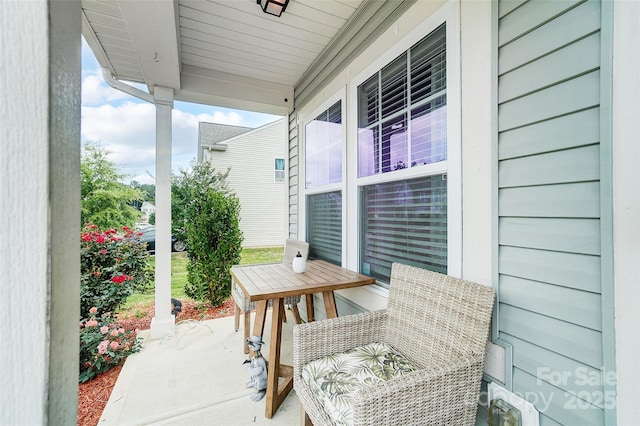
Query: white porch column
pixel 163 322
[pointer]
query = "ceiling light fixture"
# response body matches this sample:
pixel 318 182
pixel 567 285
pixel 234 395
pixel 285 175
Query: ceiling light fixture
pixel 273 7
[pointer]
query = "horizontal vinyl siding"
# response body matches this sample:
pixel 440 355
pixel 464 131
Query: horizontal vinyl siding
pixel 293 177
pixel 262 200
pixel 550 305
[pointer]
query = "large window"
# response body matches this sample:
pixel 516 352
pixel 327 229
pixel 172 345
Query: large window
pixel 323 173
pixel 402 124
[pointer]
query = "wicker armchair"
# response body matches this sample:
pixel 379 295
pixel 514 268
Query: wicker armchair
pixel 438 323
pixel 242 304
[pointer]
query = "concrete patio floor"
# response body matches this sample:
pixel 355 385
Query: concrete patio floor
pixel 196 377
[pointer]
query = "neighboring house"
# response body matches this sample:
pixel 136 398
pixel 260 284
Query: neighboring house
pixel 256 162
pixel 479 143
pixel 147 210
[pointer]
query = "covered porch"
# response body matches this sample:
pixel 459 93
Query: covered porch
pixel 543 208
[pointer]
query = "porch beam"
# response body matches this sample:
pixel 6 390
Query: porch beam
pixel 163 323
pixel 204 86
pixel 153 30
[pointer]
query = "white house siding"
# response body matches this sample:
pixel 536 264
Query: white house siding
pixel 250 157
pixel 553 246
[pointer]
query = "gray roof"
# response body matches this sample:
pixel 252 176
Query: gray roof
pixel 210 134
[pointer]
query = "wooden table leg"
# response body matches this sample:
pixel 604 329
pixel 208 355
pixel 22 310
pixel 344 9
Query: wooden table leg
pixel 273 399
pixel 261 315
pixel 330 304
pixel 310 308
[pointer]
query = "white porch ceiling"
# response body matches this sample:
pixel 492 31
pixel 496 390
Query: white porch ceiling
pixel 220 52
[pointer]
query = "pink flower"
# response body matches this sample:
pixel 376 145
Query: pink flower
pixel 103 252
pixel 102 347
pixel 93 310
pixel 91 323
pixel 114 345
pixel 121 330
pixel 104 329
pixel 81 324
pixel 100 239
pixel 86 237
pixel 114 333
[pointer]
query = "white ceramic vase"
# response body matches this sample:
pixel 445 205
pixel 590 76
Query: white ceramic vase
pixel 299 264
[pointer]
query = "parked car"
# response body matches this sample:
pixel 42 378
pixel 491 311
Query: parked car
pixel 149 236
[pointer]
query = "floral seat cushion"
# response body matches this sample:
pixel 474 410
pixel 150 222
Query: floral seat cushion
pixel 335 378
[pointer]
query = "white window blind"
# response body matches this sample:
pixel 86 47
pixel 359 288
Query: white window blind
pixel 324 232
pixel 404 221
pixel 402 110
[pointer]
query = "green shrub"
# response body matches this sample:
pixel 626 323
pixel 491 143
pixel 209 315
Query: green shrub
pixel 103 345
pixel 212 228
pixel 111 266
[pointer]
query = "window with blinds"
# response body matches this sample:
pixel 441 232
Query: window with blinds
pixel 324 229
pixel 404 221
pixel 402 124
pixel 402 110
pixel 323 174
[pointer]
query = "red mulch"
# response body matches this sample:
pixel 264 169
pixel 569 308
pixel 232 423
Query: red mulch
pixel 94 394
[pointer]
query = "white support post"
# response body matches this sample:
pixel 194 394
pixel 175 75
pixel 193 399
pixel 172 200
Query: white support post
pixel 163 323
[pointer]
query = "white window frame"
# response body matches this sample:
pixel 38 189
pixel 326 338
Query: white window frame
pixel 304 118
pixel 448 14
pixel 284 171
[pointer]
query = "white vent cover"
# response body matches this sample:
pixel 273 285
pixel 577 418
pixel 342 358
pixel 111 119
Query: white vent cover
pixel 530 416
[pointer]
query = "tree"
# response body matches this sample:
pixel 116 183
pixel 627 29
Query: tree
pixel 147 190
pixel 189 185
pixel 215 241
pixel 206 216
pixel 104 198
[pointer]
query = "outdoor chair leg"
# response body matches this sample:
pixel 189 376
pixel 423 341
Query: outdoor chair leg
pixel 296 313
pixel 236 314
pixel 283 312
pixel 247 330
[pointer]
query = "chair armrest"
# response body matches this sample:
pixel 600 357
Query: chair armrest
pixel 320 338
pixel 443 394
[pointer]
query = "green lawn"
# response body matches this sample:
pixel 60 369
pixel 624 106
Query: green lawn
pixel 179 272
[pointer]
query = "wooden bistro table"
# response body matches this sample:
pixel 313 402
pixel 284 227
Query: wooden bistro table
pixel 261 283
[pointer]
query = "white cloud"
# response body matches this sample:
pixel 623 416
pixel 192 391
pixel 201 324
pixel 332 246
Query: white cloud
pixel 96 92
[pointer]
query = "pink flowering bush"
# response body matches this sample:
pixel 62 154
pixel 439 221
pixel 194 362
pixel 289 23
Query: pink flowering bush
pixel 103 345
pixel 112 265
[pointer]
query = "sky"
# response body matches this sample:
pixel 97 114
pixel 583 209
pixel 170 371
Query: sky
pixel 125 125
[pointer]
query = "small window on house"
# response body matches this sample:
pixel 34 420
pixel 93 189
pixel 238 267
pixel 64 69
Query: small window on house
pixel 279 170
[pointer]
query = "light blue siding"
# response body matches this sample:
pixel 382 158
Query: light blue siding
pixel 549 205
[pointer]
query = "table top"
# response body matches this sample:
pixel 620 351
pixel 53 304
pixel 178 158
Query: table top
pixel 277 280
